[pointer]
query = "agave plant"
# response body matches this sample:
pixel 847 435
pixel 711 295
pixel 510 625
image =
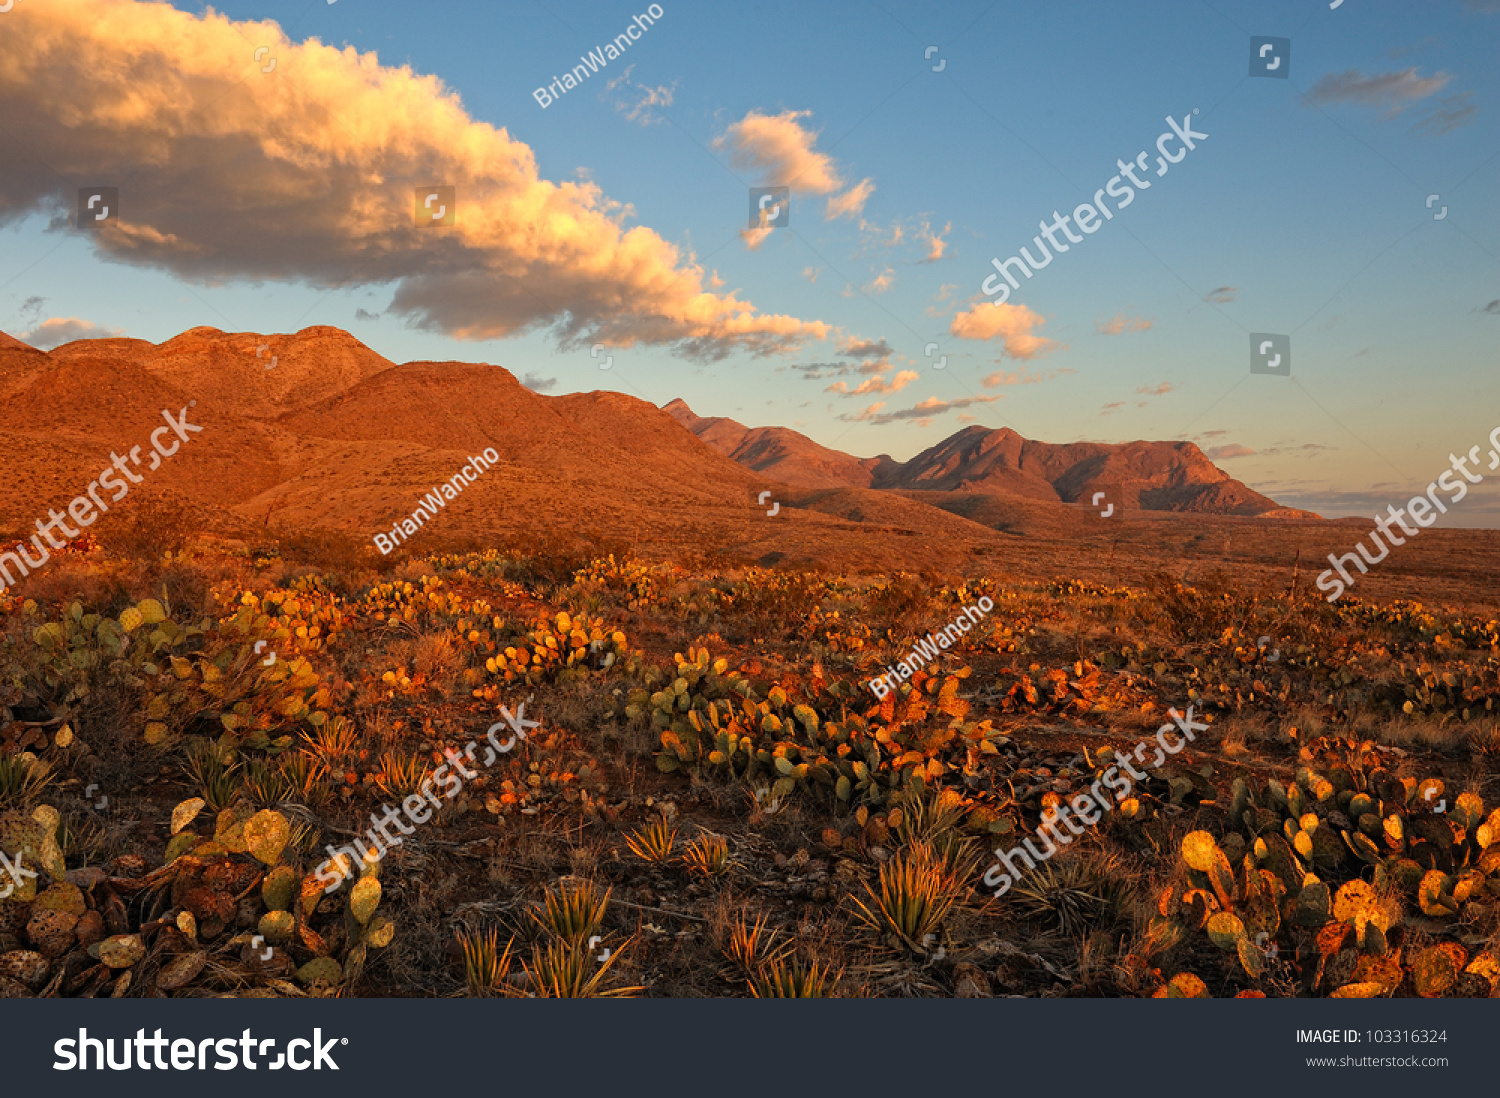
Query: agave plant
pixel 653 843
pixel 917 891
pixel 486 965
pixel 573 913
pixel 783 978
pixel 565 970
pixel 708 854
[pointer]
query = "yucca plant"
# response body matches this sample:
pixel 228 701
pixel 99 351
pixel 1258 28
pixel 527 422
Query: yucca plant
pixel 215 777
pixel 751 945
pixel 708 854
pixel 264 783
pixel 486 965
pixel 304 777
pixel 563 970
pixel 22 779
pixel 653 843
pixel 1077 894
pixel 334 741
pixel 917 890
pixel 782 978
pixel 936 821
pixel 573 912
pixel 400 776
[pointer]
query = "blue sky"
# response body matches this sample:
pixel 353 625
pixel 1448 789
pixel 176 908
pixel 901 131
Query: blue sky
pixel 1304 213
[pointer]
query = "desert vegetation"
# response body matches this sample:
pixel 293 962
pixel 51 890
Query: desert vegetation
pixel 714 803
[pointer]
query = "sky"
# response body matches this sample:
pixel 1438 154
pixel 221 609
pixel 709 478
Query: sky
pixel 268 156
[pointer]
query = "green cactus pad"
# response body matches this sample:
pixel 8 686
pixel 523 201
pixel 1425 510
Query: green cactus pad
pixel 1225 930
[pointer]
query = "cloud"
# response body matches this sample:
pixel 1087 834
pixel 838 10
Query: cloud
pixel 1161 390
pixel 811 273
pixel 1492 307
pixel 365 314
pixel 538 384
pixel 637 103
pixel 1223 295
pixel 779 149
pixel 1454 111
pixel 881 282
pixel 754 238
pixel 1120 324
pixel 852 202
pixel 853 347
pixel 310 179
pixel 1019 377
pixel 1112 407
pixel 65 329
pixel 876 384
pixel 1394 91
pixel 926 410
pixel 1014 324
pixel 936 245
pixel 1224 453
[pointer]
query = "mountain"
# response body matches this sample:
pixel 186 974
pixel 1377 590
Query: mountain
pixel 1152 476
pixel 314 430
pixel 782 454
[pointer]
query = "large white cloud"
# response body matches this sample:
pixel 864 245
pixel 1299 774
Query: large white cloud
pixel 309 172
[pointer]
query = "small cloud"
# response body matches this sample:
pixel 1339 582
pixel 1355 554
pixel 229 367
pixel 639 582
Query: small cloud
pixel 1108 408
pixel 936 245
pixel 780 148
pixel 1019 377
pixel 1493 307
pixel 1454 111
pixel 636 103
pixel 1223 295
pixel 1213 434
pixel 926 410
pixel 538 384
pixel 852 202
pixel 1394 91
pixel 1013 324
pixel 876 384
pixel 65 329
pixel 714 281
pixel 365 314
pixel 1120 323
pixel 1161 390
pixel 754 238
pixel 881 282
pixel 811 273
pixel 1224 453
pixel 966 418
pixel 853 347
pixel 818 371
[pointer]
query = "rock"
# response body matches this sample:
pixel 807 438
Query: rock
pixel 969 982
pixel 51 932
pixel 90 928
pixel 25 967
